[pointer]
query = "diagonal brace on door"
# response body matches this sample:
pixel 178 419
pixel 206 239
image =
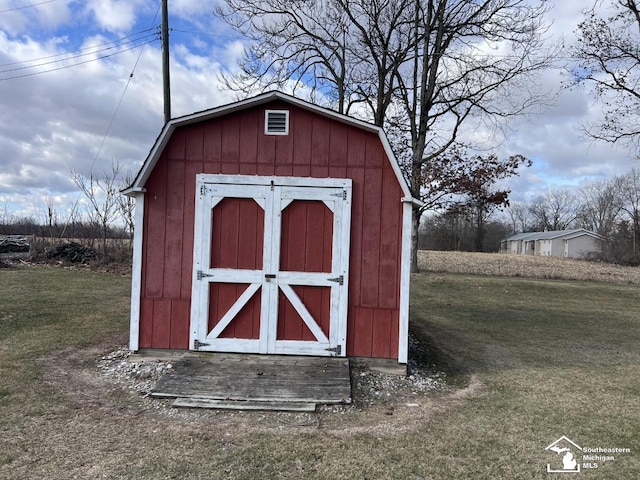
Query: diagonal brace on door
pixel 234 310
pixel 304 313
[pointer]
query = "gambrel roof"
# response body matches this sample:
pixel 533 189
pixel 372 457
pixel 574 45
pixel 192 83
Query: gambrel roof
pixel 170 127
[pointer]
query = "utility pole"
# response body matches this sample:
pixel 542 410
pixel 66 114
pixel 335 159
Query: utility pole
pixel 166 84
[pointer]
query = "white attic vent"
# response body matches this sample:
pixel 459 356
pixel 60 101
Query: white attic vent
pixel 276 122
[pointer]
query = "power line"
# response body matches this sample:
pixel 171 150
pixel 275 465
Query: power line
pixel 118 41
pixel 204 34
pixel 72 57
pixel 27 6
pixel 77 63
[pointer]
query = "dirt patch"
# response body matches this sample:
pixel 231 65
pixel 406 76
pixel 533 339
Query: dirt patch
pixel 102 379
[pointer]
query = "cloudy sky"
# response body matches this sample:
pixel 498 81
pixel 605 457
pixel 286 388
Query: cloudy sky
pixel 69 101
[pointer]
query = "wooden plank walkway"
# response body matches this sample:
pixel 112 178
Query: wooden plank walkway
pixel 253 381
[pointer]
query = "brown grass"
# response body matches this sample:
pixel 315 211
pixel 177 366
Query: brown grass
pixel 509 265
pixel 542 359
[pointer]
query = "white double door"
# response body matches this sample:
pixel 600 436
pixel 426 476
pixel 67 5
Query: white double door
pixel 270 270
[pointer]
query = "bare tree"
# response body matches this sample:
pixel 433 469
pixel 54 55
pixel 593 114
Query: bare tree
pixel 477 197
pixel 519 216
pixel 609 52
pixel 452 79
pixel 556 210
pixel 630 192
pixel 424 68
pixel 600 205
pixel 52 215
pixel 348 51
pixel 102 194
pixel 7 218
pixel 126 204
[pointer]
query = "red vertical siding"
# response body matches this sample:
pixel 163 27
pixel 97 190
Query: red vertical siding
pixel 320 142
pixel 382 323
pixel 161 333
pixel 362 332
pixel 302 141
pixel 306 249
pixel 231 139
pixel 176 148
pixel 339 145
pixel 180 311
pixel 191 170
pixel 248 143
pixel 237 234
pixel 194 144
pixel 211 147
pixel 371 224
pixel 173 242
pixel 390 230
pixel 236 144
pixel 146 323
pixel 154 231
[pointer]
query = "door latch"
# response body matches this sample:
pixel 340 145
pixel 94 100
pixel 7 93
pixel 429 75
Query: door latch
pixel 269 276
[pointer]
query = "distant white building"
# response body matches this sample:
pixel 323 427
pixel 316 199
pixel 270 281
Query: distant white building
pixel 576 243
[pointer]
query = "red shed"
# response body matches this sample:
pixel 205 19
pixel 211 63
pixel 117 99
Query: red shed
pixel 271 226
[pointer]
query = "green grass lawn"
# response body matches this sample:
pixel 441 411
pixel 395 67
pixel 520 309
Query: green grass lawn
pixel 528 361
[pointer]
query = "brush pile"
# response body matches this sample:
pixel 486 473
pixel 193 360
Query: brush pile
pixel 14 244
pixel 73 252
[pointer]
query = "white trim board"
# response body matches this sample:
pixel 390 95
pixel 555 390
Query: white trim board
pixel 136 273
pixel 405 279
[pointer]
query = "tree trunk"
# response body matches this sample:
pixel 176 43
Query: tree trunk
pixel 480 230
pixel 415 225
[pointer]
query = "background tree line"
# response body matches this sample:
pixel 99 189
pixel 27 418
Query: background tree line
pixel 610 208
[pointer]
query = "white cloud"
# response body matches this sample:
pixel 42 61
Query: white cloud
pixel 15 19
pixel 115 15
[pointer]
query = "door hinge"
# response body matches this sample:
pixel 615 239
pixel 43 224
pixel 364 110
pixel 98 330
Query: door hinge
pixel 337 350
pixel 343 194
pixel 197 344
pixel 339 279
pixel 200 275
pixel 203 190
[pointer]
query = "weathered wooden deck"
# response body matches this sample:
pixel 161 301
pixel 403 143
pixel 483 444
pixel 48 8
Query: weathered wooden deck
pixel 265 382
